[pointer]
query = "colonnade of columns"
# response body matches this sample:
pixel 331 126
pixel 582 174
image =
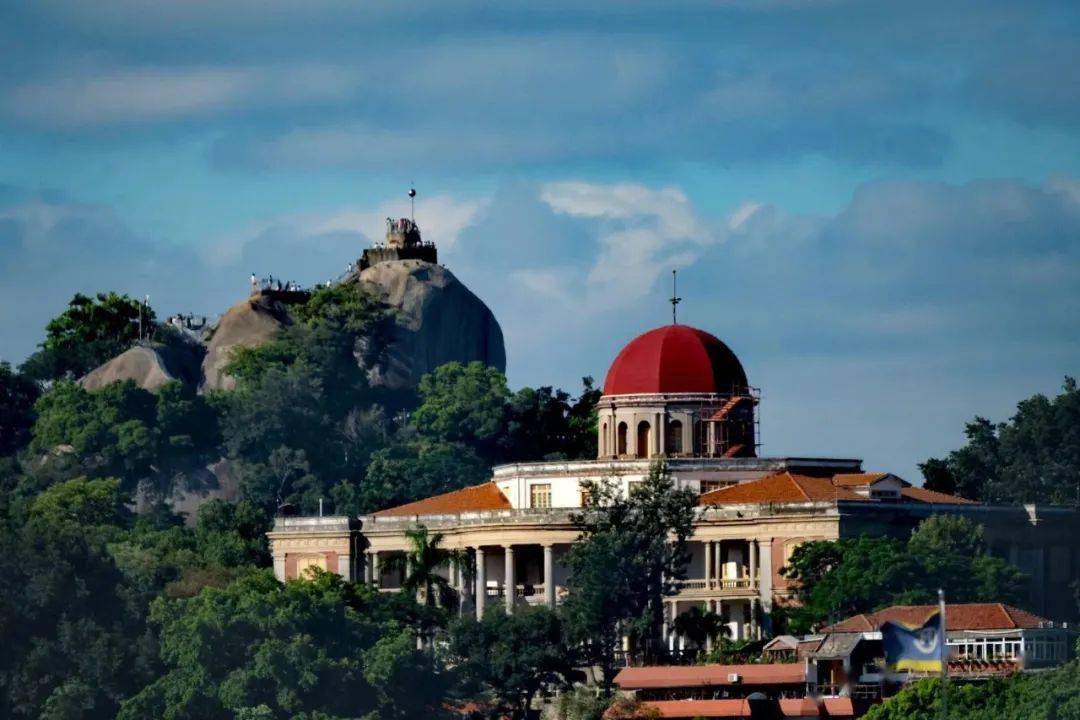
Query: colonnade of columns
pixel 476 587
pixel 715 565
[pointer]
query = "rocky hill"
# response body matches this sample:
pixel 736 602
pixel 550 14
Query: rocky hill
pixel 437 320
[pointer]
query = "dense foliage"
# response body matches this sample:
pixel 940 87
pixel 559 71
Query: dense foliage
pixel 17 396
pixel 837 579
pixel 1034 457
pixel 1051 695
pixel 508 659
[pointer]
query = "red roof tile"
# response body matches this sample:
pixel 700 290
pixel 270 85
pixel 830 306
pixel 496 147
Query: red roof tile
pixel 487 496
pixel 678 676
pixel 740 708
pixel 969 616
pixel 919 494
pixel 782 487
pixel 857 479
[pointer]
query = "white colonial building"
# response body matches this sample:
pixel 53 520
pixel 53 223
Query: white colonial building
pixel 680 394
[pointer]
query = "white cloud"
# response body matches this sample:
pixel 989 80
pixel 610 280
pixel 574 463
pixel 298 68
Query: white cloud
pixel 103 96
pixel 643 232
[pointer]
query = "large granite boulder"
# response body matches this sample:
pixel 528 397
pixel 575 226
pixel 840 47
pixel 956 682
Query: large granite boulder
pixel 437 320
pixel 148 366
pixel 249 323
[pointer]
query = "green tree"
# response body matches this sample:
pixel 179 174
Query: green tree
pixel 303 410
pixel 1050 695
pixel 1034 457
pixel 17 396
pixel 411 470
pixel 581 703
pixel 836 579
pixel 89 332
pixel 547 424
pixel 511 658
pixel 293 648
pixel 421 564
pixel 700 627
pixel 463 404
pixel 407 683
pixel 631 553
pixel 125 431
pixel 71 636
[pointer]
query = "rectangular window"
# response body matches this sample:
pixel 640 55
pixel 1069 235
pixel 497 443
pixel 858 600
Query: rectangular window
pixel 540 496
pixel 710 485
pixel 586 497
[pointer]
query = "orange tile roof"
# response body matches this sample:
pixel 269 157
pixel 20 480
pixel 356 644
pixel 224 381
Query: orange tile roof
pixel 740 708
pixel 782 487
pixel 486 496
pixel 857 479
pixel 919 494
pixel 680 676
pixel 967 616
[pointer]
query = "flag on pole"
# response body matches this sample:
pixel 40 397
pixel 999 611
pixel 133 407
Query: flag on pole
pixel 920 648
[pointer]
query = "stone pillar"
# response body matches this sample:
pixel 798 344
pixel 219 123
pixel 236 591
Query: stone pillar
pixel 754 635
pixel 708 640
pixel 708 564
pixel 481 583
pixel 368 577
pixel 765 586
pixel 753 561
pixel 658 436
pixel 549 576
pixel 509 582
pixel 375 569
pixel 718 555
pixel 462 588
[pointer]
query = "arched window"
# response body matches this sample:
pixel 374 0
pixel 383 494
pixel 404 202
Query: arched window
pixel 643 439
pixel 620 443
pixel 673 438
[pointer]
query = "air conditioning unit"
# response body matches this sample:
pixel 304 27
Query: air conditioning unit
pixel 734 677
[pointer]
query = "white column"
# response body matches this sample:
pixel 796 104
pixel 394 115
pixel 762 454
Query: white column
pixel 708 640
pixel 367 569
pixel 481 583
pixel 462 588
pixel 375 570
pixel 765 588
pixel 708 564
pixel 509 583
pixel 753 561
pixel 549 576
pixel 718 553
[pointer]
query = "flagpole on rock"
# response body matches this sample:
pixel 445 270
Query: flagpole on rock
pixel 944 657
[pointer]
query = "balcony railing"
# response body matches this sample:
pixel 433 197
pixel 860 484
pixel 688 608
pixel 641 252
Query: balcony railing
pixel 699 586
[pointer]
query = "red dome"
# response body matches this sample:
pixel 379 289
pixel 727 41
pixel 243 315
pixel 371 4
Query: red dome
pixel 675 359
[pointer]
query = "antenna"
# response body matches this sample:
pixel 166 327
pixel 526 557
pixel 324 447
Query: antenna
pixel 675 299
pixel 412 203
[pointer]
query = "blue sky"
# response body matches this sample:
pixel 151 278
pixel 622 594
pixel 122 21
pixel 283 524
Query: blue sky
pixel 876 204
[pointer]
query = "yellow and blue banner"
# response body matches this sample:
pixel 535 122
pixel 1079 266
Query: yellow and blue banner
pixel 921 648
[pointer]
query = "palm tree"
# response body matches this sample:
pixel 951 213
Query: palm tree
pixel 421 563
pixel 699 627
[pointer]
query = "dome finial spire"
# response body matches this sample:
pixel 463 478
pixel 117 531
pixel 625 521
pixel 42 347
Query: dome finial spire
pixel 675 299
